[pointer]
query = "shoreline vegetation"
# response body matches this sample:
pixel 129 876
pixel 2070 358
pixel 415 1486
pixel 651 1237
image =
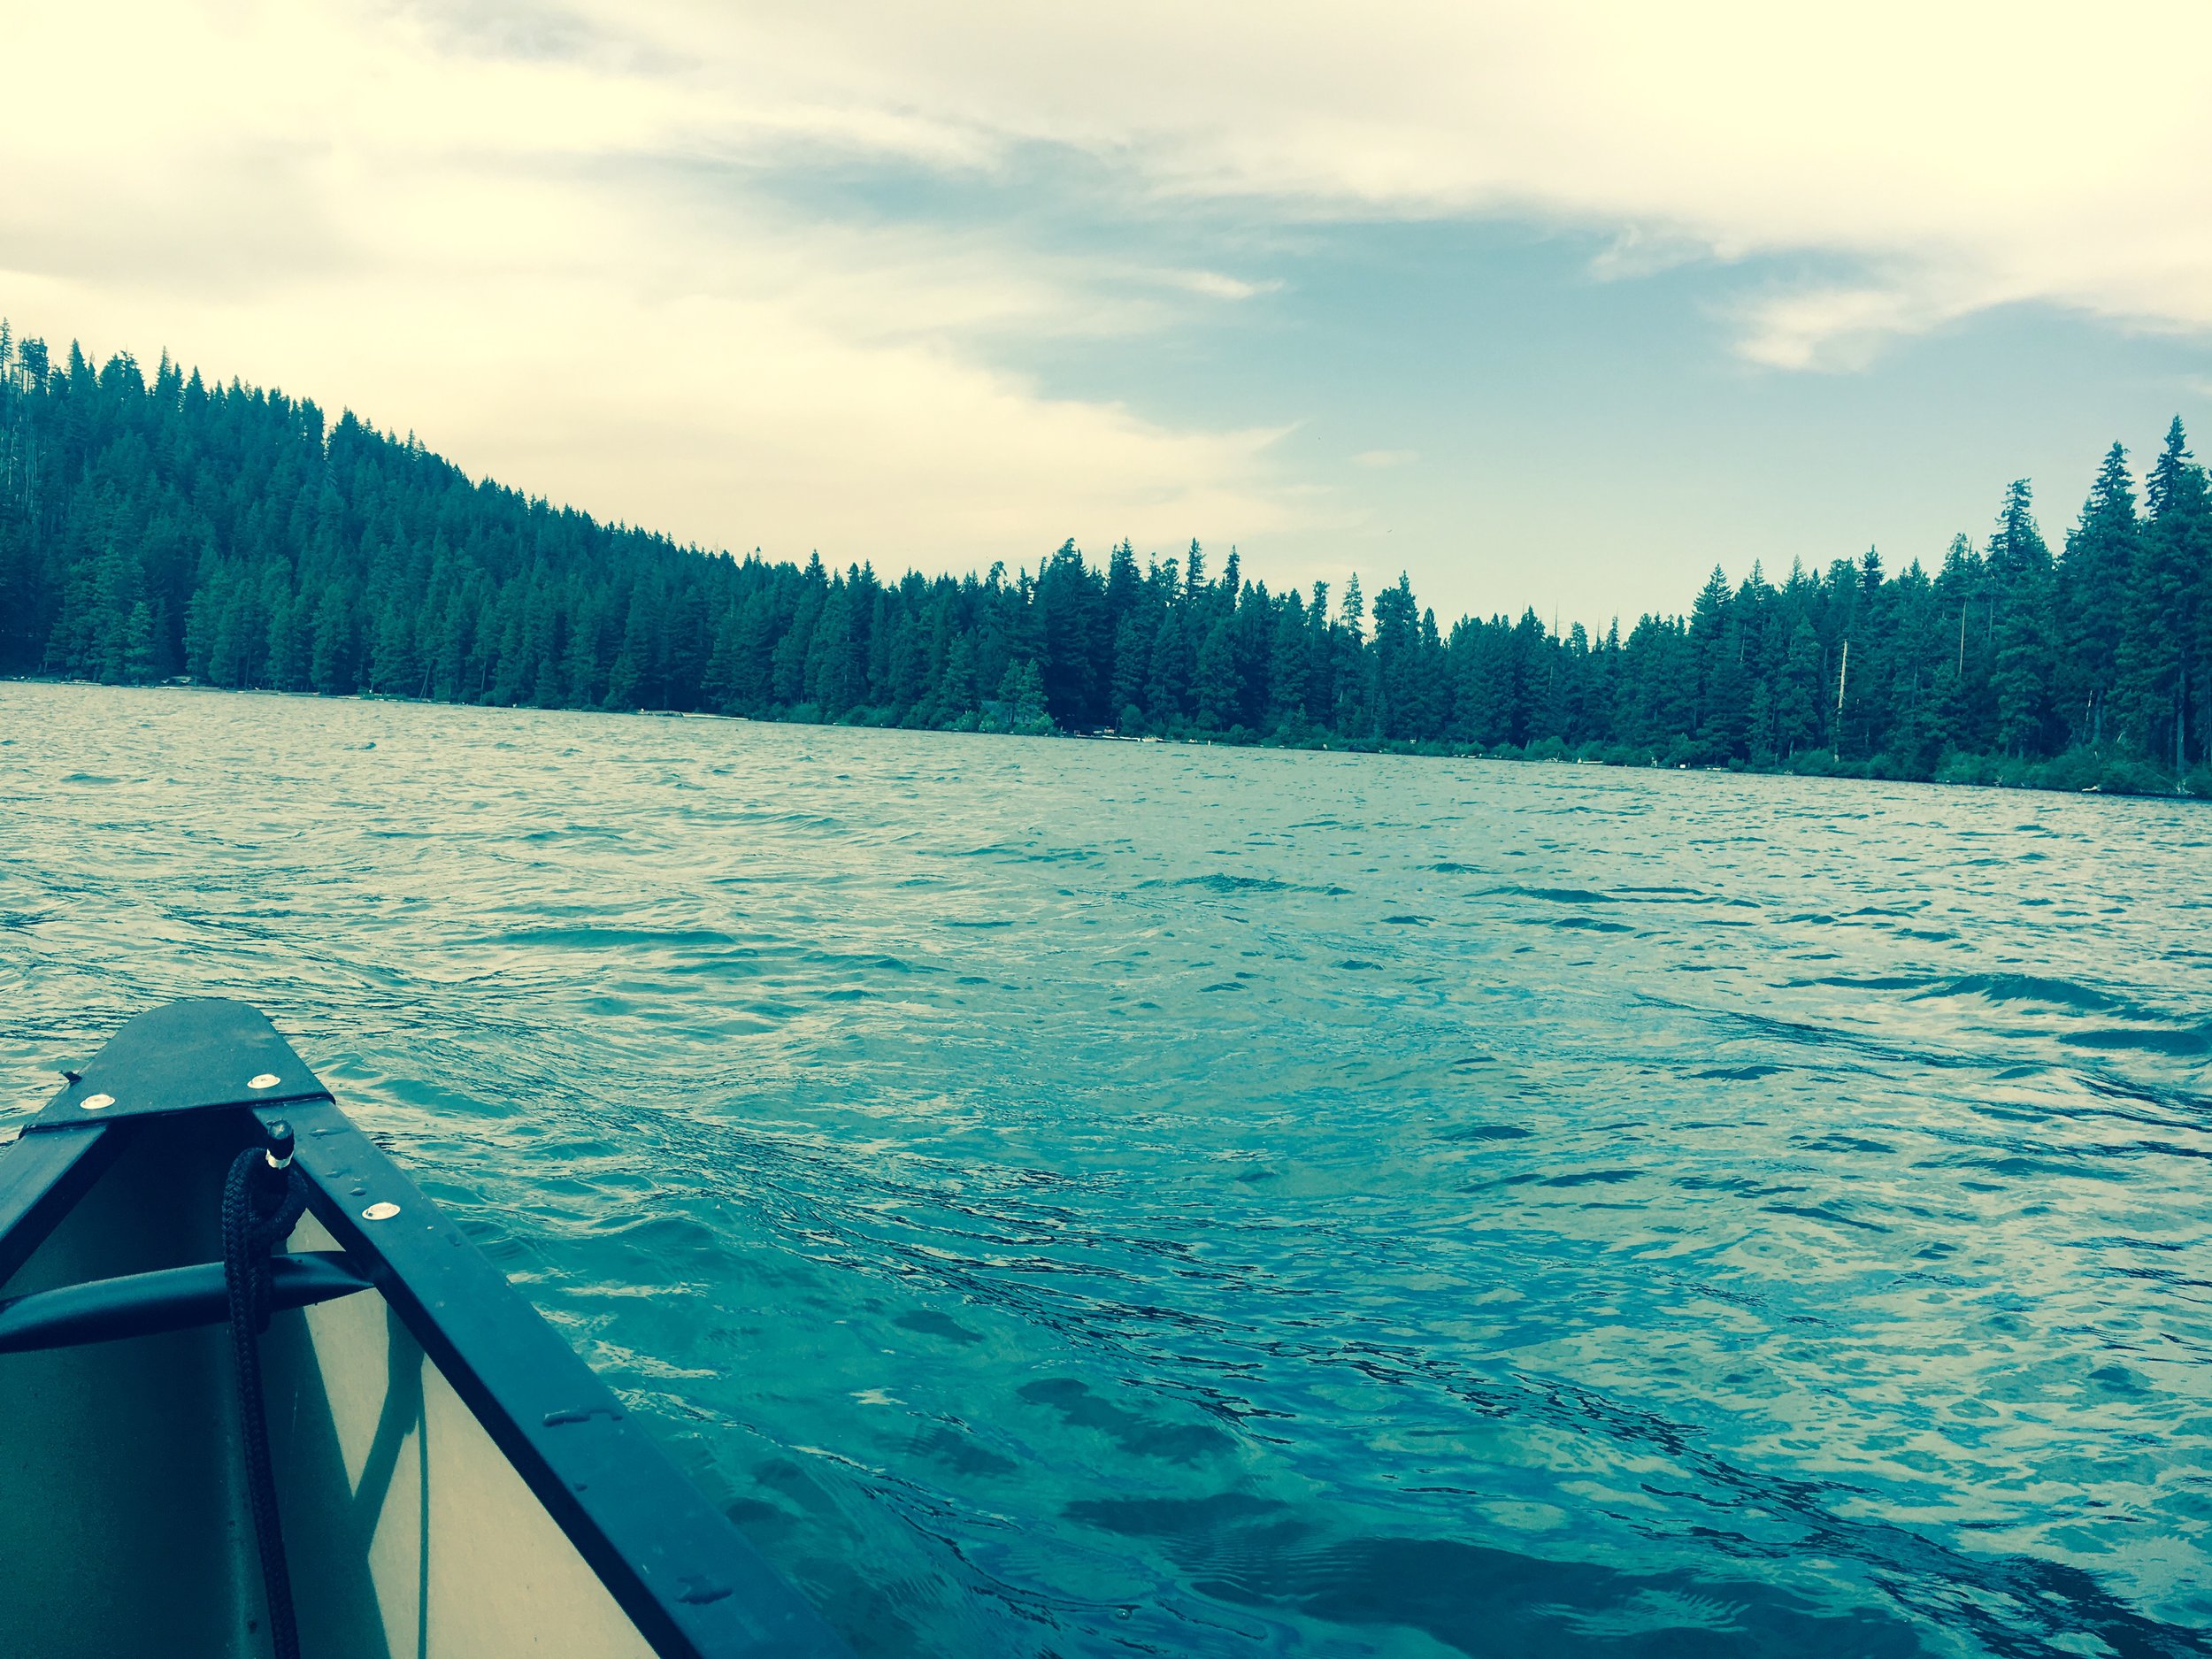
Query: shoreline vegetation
pixel 166 529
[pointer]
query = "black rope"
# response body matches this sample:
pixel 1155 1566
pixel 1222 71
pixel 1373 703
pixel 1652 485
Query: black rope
pixel 263 1200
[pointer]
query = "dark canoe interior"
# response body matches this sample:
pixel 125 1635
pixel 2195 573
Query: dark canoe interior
pixel 453 1482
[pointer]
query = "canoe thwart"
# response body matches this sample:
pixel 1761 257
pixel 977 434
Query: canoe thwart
pixel 138 1304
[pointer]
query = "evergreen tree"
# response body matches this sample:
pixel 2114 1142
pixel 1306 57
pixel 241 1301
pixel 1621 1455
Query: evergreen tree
pixel 2157 651
pixel 2091 596
pixel 2019 567
pixel 1288 666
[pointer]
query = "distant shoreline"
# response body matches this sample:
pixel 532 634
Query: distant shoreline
pixel 2075 772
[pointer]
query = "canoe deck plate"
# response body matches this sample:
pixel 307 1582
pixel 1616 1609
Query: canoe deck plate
pixel 188 1057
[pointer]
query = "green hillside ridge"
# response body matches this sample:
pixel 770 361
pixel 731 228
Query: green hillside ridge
pixel 174 528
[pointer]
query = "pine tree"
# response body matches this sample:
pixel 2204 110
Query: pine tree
pixel 1022 692
pixel 1167 685
pixel 2019 567
pixel 330 660
pixel 2091 597
pixel 140 666
pixel 2157 649
pixel 1132 663
pixel 1799 717
pixel 1214 683
pixel 1288 668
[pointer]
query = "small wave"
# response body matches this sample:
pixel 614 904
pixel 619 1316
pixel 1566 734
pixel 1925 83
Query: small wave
pixel 931 1323
pixel 1001 849
pixel 2188 1043
pixel 1868 982
pixel 613 937
pixel 1822 1212
pixel 1136 1433
pixel 1552 895
pixel 593 831
pixel 2033 988
pixel 1648 1612
pixel 1839 1142
pixel 1238 884
pixel 1223 883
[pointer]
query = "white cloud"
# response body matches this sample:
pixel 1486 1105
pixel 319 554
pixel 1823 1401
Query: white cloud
pixel 550 266
pixel 1215 285
pixel 545 238
pixel 1971 154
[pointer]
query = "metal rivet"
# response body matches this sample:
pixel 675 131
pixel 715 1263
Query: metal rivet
pixel 267 1079
pixel 97 1102
pixel 379 1212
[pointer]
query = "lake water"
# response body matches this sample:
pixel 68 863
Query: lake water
pixel 1095 1199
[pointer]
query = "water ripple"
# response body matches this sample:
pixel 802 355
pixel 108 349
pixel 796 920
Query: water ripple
pixel 1103 1199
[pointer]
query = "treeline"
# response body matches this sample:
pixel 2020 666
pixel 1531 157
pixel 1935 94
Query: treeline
pixel 154 530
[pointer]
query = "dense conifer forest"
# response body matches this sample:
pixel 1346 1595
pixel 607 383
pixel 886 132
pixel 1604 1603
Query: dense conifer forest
pixel 165 528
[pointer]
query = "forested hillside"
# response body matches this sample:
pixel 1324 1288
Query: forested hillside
pixel 154 530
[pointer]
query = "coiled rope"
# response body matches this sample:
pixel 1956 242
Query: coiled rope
pixel 262 1199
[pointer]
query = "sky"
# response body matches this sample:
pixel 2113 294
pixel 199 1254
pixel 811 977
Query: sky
pixel 1548 305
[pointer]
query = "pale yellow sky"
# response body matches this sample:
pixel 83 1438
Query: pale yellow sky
pixel 572 247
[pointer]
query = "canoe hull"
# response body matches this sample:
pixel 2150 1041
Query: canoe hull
pixel 453 1482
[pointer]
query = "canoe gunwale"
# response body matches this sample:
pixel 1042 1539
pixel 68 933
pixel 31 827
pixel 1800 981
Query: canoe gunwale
pixel 41 1177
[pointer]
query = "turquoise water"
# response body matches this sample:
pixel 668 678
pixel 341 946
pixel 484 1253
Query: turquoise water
pixel 1097 1199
